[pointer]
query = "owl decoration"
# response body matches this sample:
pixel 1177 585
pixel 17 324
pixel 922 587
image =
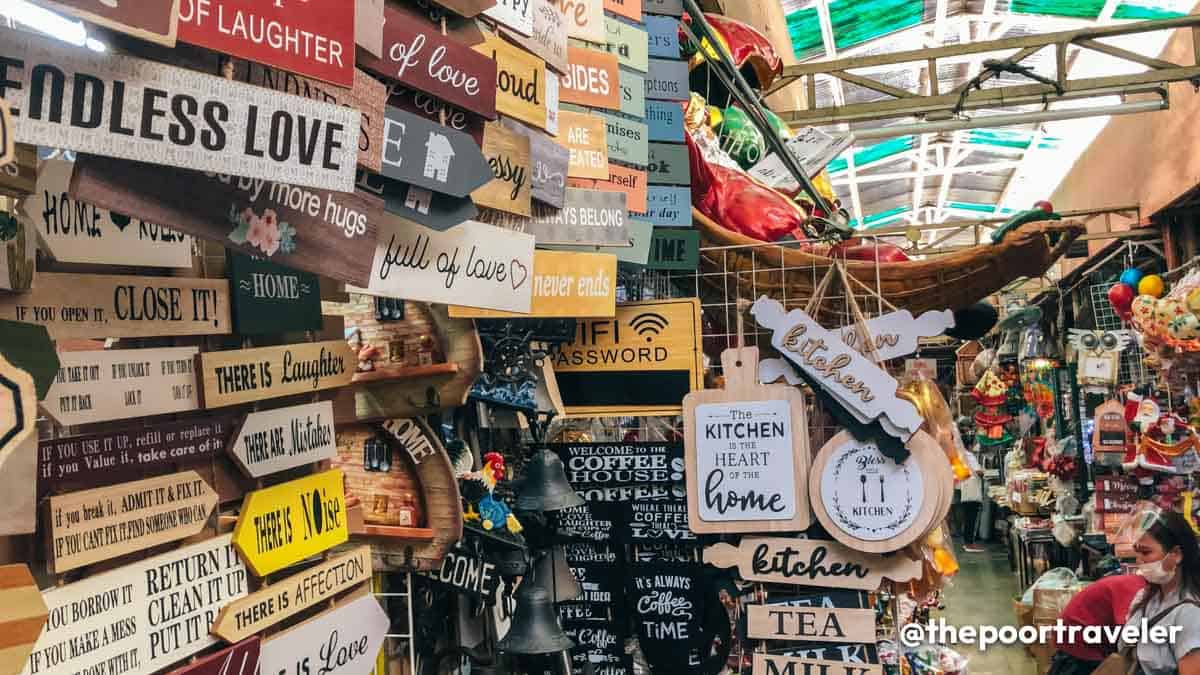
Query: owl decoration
pixel 1099 353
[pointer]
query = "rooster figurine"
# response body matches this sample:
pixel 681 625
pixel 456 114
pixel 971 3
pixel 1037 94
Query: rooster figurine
pixel 477 489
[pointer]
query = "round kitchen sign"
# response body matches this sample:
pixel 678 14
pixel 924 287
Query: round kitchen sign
pixel 868 495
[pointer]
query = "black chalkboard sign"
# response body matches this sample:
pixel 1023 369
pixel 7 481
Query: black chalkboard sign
pixel 665 520
pixel 591 521
pixel 609 464
pixel 666 606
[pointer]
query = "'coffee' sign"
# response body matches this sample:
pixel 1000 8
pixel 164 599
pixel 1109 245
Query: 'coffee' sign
pixel 270 441
pixel 244 375
pixel 113 384
pixel 286 523
pixel 270 298
pixel 134 109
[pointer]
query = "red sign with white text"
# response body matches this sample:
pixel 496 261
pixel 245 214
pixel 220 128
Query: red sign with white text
pixel 314 38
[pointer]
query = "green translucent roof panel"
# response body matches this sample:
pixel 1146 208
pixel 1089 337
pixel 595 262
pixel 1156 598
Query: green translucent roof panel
pixel 1007 138
pixel 804 28
pixel 1138 10
pixel 854 22
pixel 972 206
pixel 880 219
pixel 872 153
pixel 1083 9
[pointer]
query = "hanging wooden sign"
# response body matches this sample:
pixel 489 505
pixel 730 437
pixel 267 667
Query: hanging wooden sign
pixel 626 140
pixel 423 153
pixel 345 639
pixel 663 36
pixel 654 521
pixel 97 459
pixel 867 390
pixel 25 614
pixel 667 80
pixel 669 165
pixel 747 453
pixel 315 38
pixel 633 94
pixel 810 562
pixel 238 659
pixel 635 251
pixel 154 612
pixel 629 43
pixel 665 121
pixel 896 334
pixel 771 664
pixel 270 298
pixel 486 266
pixel 507 152
pixel 548 36
pixel 520 79
pixel 319 231
pixel 631 182
pixel 585 18
pixel 244 375
pixel 674 249
pixel 79 232
pixel 668 206
pixel 285 598
pixel 89 526
pixel 365 95
pixel 467 573
pixel 466 8
pixel 114 384
pixel 227 126
pixel 587 217
pixel 630 9
pixel 586 138
pixel 591 79
pixel 564 285
pixel 286 523
pixel 8 153
pixel 669 7
pixel 1111 431
pixel 643 361
pixel 548 165
pixel 516 15
pixel 368 25
pixel 424 207
pixel 812 624
pixel 18 406
pixel 104 305
pixel 435 110
pixel 152 20
pixel 270 441
pixel 552 88
pixel 420 57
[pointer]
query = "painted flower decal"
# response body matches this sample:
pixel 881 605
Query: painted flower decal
pixel 266 232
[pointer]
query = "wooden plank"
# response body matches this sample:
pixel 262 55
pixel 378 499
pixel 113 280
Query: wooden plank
pixel 109 305
pixel 591 79
pixel 244 375
pixel 629 43
pixel 251 132
pixel 520 80
pixel 630 9
pixel 156 21
pixel 431 156
pixel 633 94
pixel 811 562
pixel 632 182
pixel 271 298
pixel 346 638
pixel 8 151
pixel 586 138
pixel 113 384
pixel 548 39
pixel 508 154
pixel 140 641
pixel 587 217
pixel 368 25
pixel 327 233
pixel 18 407
pixel 585 18
pixel 89 526
pixel 667 80
pixel 270 441
pixel 272 604
pixel 812 624
pixel 286 523
pixel 770 664
pixel 669 164
pixel 669 206
pixel 564 285
pixel 635 251
pixel 674 249
pixel 548 164
pixel 238 659
pixel 24 615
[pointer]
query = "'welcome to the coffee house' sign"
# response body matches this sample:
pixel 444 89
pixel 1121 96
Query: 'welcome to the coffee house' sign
pixel 243 375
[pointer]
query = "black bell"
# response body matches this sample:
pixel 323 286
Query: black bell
pixel 563 585
pixel 535 628
pixel 545 486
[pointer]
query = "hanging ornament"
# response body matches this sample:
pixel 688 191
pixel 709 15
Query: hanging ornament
pixel 1152 285
pixel 1131 276
pixel 740 138
pixel 1121 296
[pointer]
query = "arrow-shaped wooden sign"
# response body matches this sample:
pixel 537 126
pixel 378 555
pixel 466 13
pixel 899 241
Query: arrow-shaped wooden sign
pixel 93 525
pixel 345 640
pixel 810 562
pixel 270 441
pixel 429 155
pixel 284 524
pixel 239 659
pixel 23 617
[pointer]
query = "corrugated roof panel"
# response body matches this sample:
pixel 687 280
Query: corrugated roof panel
pixel 856 22
pixel 1082 9
pixel 1149 10
pixel 880 219
pixel 871 153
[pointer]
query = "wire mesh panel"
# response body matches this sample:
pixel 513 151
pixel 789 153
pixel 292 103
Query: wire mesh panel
pixel 1131 370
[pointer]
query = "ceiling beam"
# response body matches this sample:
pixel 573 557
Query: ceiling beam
pixel 916 173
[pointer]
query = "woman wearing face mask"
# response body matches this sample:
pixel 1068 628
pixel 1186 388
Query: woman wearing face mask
pixel 1168 558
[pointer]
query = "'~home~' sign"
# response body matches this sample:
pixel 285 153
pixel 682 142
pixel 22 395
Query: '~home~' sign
pixel 243 375
pixel 810 562
pixel 113 384
pixel 270 298
pixel 225 125
pixel 270 441
pixel 344 640
pixel 286 523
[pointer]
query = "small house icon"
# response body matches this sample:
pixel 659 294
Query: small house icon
pixel 418 199
pixel 437 157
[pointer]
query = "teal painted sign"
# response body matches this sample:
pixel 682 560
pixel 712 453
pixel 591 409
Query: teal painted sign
pixel 633 94
pixel 674 249
pixel 669 206
pixel 271 298
pixel 669 164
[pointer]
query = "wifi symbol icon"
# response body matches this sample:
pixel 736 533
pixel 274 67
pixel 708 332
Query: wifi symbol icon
pixel 649 324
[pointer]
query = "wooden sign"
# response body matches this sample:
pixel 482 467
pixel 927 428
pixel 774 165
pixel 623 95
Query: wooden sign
pixel 467 573
pixel 244 375
pixel 315 38
pixel 669 7
pixel 25 614
pixel 587 217
pixel 114 384
pixel 663 34
pixel 286 523
pixel 365 95
pixel 431 156
pixel 586 138
pixel 270 298
pixel 643 361
pixel 238 659
pixel 631 182
pixel 319 231
pixel 221 125
pixel 635 251
pixel 435 110
pixel 18 406
pixel 633 94
pixel 630 9
pixel 152 20
pixel 866 390
pixel 466 8
pixel 552 87
pixel 591 79
pixel 667 80
pixel 420 57
pixel 18 177
pixel 668 206
pixel 621 463
pixel 97 458
pixel 8 153
pixel 345 640
pixel 270 441
pixel 548 164
pixel 431 209
pixel 585 18
pixel 368 25
pixel 665 120
pixel 897 334
pixel 507 152
pixel 747 453
pixel 1116 494
pixel 84 233
pixel 669 164
pixel 674 249
pixel 812 624
pixel 564 285
pixel 548 36
pixel 629 43
pixel 771 664
pixel 104 305
pixel 486 266
pixel 272 604
pixel 154 612
pixel 1111 432
pixel 516 15
pixel 626 140
pixel 654 521
pixel 810 562
pixel 108 522
pixel 520 79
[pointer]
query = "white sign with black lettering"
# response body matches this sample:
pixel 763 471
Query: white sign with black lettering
pixel 270 441
pixel 114 384
pixel 744 461
pixel 869 495
pixel 140 618
pixel 344 640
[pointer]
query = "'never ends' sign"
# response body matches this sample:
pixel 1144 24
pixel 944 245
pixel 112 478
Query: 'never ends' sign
pixel 124 107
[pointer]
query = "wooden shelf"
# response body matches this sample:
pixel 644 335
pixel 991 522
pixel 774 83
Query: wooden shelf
pixel 405 373
pixel 396 532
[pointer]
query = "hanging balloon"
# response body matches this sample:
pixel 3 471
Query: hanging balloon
pixel 1151 284
pixel 1131 276
pixel 1120 296
pixel 740 138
